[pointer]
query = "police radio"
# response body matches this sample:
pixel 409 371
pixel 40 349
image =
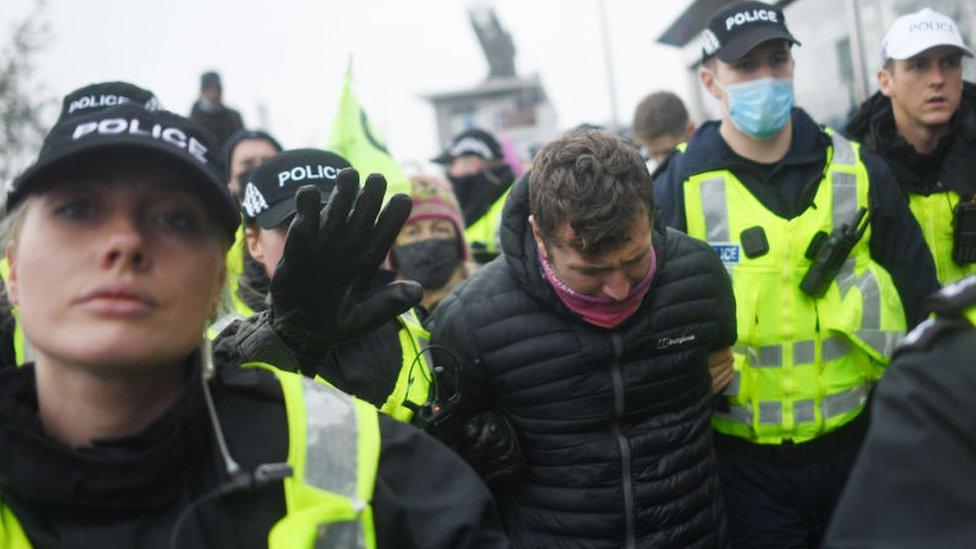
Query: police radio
pixel 828 253
pixel 964 232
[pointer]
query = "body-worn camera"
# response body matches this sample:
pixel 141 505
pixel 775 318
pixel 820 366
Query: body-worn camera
pixel 828 253
pixel 964 232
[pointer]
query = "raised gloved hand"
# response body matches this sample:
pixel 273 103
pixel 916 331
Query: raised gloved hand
pixel 318 291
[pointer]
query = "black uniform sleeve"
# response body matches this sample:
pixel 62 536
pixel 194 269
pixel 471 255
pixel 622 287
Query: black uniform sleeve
pixel 669 198
pixel 367 367
pixel 897 243
pixel 427 497
pixel 912 485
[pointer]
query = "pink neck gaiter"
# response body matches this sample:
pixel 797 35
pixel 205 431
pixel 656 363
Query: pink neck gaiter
pixel 600 311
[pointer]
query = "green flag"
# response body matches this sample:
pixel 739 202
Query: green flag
pixel 355 138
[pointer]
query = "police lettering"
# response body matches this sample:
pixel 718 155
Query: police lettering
pixel 744 17
pixel 298 173
pixel 945 26
pixel 116 126
pixel 92 101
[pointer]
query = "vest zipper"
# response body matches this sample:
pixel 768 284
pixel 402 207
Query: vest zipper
pixel 622 442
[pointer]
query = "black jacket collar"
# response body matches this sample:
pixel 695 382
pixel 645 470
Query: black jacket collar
pixel 144 471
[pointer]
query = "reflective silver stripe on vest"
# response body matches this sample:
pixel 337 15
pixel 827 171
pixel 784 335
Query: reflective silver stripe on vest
pixel 715 209
pixel 803 352
pixel 843 185
pixel 804 411
pixel 770 412
pixel 844 197
pixel 843 150
pixel 883 342
pixel 844 401
pixel 738 414
pixel 768 356
pixel 732 389
pixel 833 348
pixel 332 441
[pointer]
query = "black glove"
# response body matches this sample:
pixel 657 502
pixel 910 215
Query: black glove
pixel 489 444
pixel 318 289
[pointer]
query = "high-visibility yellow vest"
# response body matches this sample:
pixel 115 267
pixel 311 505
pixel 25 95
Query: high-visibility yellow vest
pixel 235 268
pixel 416 373
pixel 483 234
pixel 803 366
pixel 934 214
pixel 22 350
pixel 333 449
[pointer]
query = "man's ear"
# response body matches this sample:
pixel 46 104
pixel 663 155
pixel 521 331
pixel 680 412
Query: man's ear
pixel 708 81
pixel 535 232
pixel 11 258
pixel 689 130
pixel 885 81
pixel 254 247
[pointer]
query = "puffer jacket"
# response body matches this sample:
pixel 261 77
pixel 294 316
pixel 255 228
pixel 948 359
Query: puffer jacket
pixel 613 425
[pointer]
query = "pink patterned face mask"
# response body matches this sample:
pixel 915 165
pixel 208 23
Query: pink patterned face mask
pixel 600 311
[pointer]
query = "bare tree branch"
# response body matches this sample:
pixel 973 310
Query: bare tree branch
pixel 22 101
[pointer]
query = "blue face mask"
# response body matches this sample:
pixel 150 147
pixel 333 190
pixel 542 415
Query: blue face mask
pixel 760 108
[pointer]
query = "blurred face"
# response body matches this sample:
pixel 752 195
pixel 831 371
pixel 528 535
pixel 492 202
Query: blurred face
pixel 266 246
pixel 247 155
pixel 211 94
pixel 612 274
pixel 466 165
pixel 423 229
pixel 118 272
pixel 769 59
pixel 925 90
pixel 660 147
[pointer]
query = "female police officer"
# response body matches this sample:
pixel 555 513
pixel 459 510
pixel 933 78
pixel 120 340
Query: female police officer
pixel 125 433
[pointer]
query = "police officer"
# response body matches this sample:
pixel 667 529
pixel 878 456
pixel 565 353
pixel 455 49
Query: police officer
pixel 482 180
pixel 912 483
pixel 244 151
pixel 386 367
pixel 827 266
pixel 125 433
pixel 85 100
pixel 923 123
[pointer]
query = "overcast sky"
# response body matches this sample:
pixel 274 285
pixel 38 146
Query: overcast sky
pixel 290 55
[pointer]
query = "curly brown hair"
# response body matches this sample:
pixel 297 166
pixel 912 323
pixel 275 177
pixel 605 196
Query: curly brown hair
pixel 594 181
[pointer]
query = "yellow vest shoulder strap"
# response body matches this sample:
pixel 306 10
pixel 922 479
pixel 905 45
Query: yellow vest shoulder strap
pixel 333 448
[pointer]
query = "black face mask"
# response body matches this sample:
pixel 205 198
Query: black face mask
pixel 478 191
pixel 430 262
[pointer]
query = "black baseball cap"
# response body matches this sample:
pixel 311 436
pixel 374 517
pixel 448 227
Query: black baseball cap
pixel 127 130
pixel 269 194
pixel 735 29
pixel 210 79
pixel 104 95
pixel 473 142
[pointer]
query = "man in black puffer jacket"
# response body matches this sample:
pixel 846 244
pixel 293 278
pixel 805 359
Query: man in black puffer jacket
pixel 583 352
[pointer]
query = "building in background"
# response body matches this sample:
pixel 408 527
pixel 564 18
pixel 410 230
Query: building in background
pixel 510 106
pixel 840 54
